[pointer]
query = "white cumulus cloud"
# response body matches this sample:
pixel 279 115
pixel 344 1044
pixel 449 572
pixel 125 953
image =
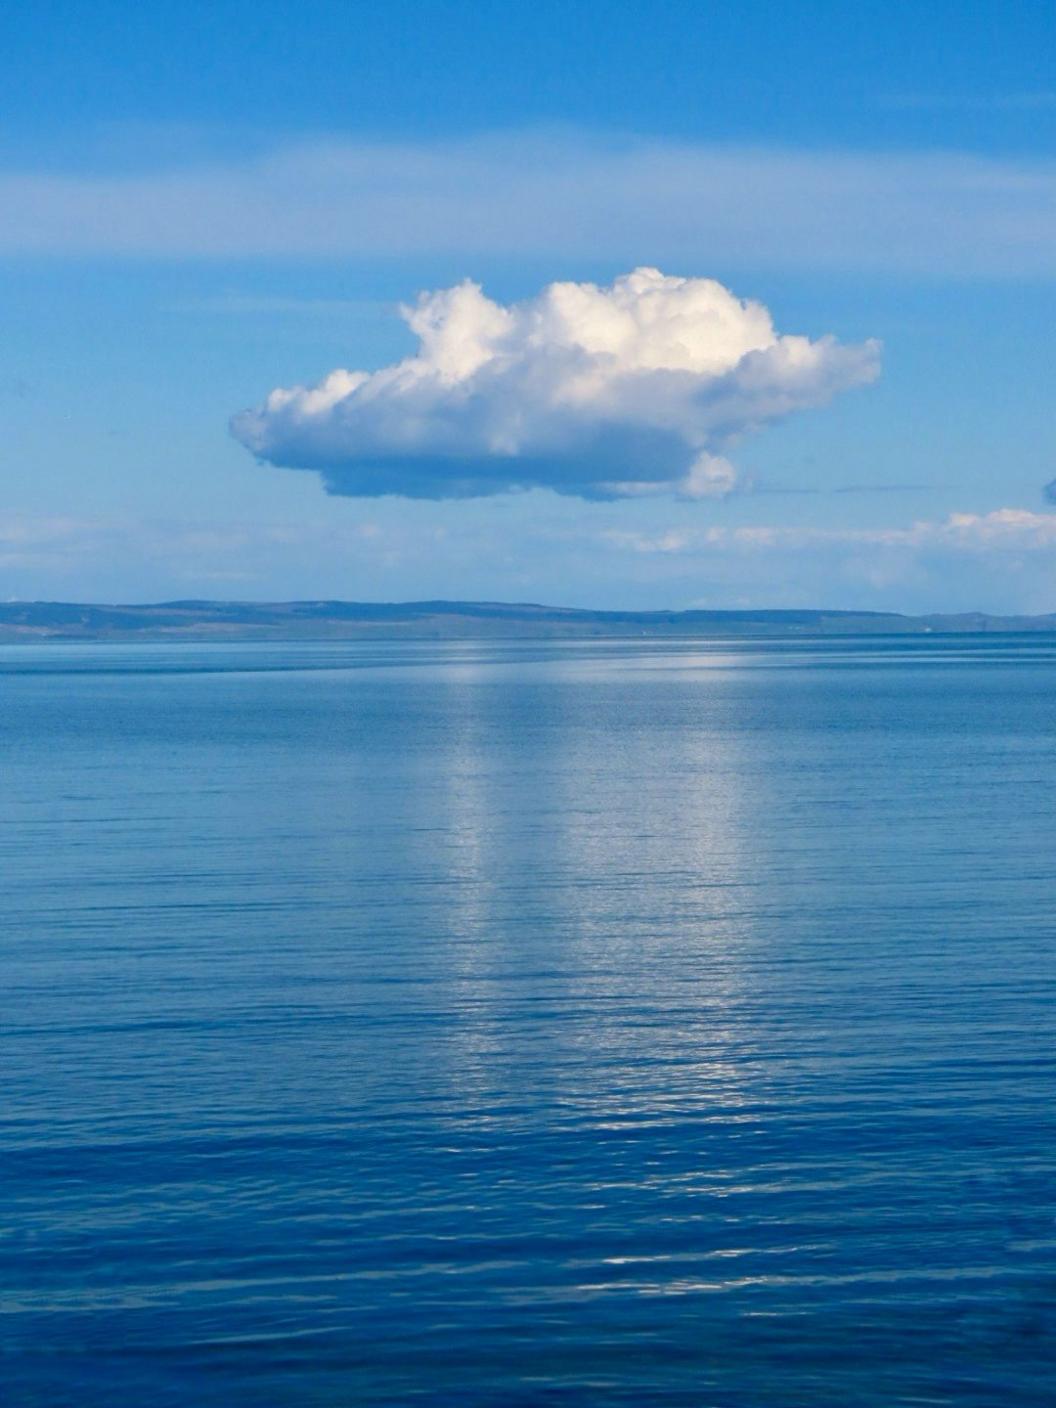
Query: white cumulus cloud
pixel 633 389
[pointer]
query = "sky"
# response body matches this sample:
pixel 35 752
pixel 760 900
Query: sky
pixel 590 304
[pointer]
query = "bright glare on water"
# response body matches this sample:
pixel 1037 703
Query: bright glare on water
pixel 509 1024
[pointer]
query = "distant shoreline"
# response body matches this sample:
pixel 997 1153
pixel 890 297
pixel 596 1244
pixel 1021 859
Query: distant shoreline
pixel 203 621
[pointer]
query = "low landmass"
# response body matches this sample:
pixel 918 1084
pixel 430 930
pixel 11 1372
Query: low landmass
pixel 292 620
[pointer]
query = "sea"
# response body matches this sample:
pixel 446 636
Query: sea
pixel 493 1024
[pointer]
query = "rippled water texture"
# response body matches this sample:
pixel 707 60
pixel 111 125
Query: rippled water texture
pixel 577 1024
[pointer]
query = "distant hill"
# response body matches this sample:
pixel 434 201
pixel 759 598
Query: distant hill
pixel 289 620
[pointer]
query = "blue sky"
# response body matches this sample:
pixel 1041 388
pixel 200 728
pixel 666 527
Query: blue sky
pixel 201 204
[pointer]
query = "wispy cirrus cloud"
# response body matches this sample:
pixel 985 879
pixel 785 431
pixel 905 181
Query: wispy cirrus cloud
pixel 553 194
pixel 1003 560
pixel 1000 530
pixel 1008 557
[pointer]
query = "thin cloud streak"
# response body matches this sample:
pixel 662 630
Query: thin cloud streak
pixel 1002 530
pixel 567 195
pixel 64 543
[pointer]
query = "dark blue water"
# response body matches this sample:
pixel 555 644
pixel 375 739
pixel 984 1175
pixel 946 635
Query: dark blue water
pixel 513 1024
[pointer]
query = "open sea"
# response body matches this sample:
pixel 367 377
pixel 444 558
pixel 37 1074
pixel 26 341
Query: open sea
pixel 502 1024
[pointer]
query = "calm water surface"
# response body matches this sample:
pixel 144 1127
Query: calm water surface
pixel 520 1024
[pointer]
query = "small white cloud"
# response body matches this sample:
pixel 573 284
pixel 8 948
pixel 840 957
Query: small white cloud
pixel 1002 527
pixel 605 393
